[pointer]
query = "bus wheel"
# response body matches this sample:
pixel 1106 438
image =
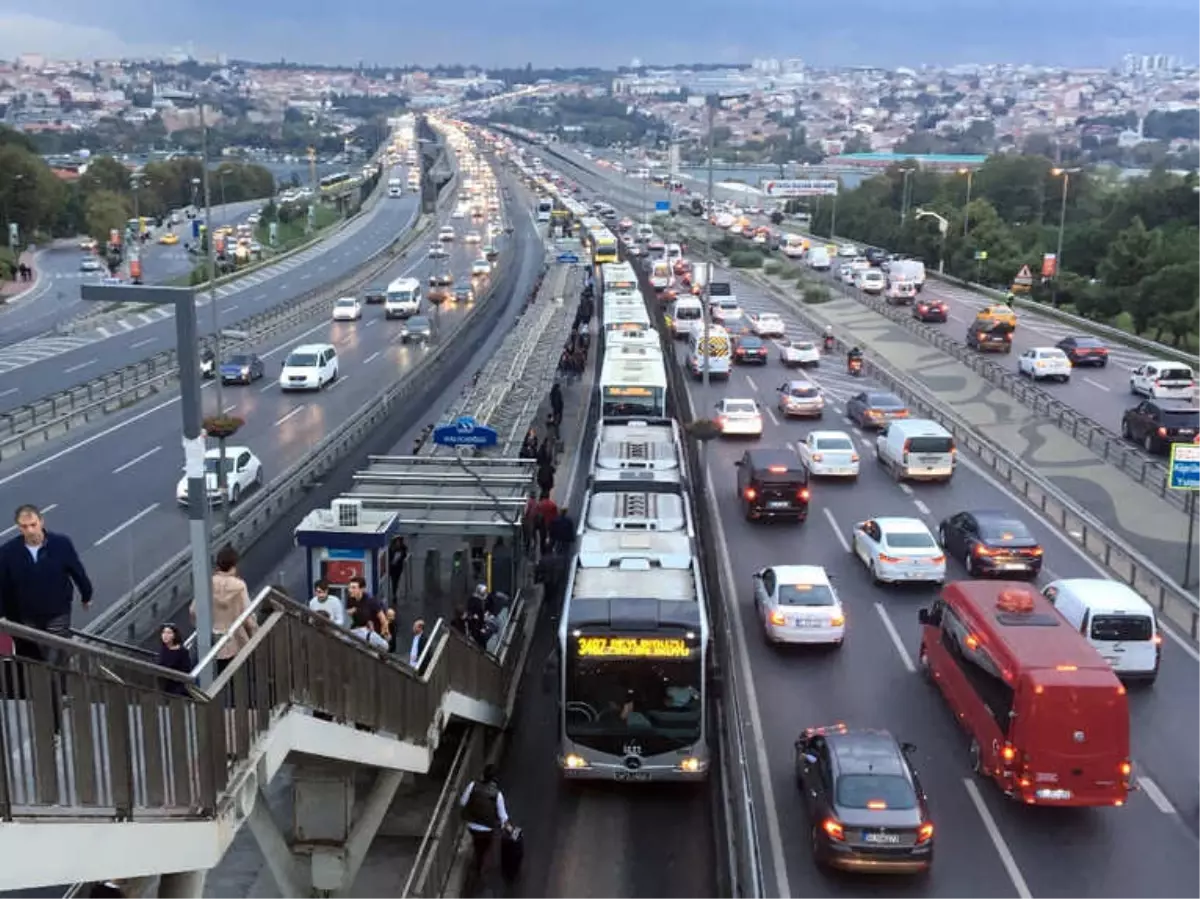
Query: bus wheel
pixel 976 758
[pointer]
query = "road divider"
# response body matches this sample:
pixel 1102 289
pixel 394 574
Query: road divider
pixel 133 616
pixel 33 424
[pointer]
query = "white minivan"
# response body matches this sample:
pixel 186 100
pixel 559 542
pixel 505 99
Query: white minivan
pixel 309 367
pixel 818 259
pixel 916 449
pixel 685 314
pixel 1118 622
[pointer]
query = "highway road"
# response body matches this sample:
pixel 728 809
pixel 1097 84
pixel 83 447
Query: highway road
pixel 111 487
pixel 56 296
pixel 986 845
pixel 36 368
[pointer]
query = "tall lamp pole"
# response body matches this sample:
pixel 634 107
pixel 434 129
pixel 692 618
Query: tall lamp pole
pixel 711 105
pixel 967 205
pixel 943 227
pixel 1062 223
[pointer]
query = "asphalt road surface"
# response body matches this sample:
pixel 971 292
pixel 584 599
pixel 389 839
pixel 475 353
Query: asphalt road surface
pixel 82 358
pixel 111 487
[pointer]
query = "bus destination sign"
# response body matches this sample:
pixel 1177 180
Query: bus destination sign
pixel 634 648
pixel 628 391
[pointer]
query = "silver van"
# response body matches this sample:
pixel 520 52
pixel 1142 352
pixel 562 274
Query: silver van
pixel 916 449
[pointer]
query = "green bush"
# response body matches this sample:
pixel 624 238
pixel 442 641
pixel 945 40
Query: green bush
pixel 772 267
pixel 725 246
pixel 745 259
pixel 817 294
pixel 8 264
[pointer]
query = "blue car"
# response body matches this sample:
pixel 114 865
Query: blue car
pixel 241 369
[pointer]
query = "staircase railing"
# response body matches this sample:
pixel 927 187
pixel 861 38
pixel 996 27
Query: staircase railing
pixel 88 733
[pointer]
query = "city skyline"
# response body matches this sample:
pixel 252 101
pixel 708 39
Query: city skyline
pixel 929 33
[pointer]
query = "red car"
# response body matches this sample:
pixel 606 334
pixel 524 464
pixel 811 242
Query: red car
pixel 931 310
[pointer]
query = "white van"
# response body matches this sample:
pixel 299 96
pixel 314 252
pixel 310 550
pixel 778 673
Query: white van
pixel 916 449
pixel 402 299
pixel 716 356
pixel 674 253
pixel 908 270
pixel 684 314
pixel 818 259
pixel 309 367
pixel 1118 622
pixel 869 280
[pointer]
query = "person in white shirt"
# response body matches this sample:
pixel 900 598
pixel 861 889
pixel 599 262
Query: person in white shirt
pixel 324 601
pixel 364 629
pixel 418 642
pixel 482 806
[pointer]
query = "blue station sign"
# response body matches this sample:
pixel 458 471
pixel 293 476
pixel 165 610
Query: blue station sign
pixel 465 431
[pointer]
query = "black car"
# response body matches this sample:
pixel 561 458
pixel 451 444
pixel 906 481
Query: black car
pixel 374 295
pixel 993 337
pixel 930 310
pixel 876 256
pixel 864 801
pixel 1084 350
pixel 749 349
pixel 991 542
pixel 772 483
pixel 464 294
pixel 1156 424
pixel 441 279
pixel 417 329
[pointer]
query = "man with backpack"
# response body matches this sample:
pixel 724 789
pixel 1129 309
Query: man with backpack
pixel 482 807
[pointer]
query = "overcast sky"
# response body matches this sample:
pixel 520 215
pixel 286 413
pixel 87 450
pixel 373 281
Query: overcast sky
pixel 609 33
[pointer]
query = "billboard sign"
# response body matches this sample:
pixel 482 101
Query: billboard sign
pixel 802 188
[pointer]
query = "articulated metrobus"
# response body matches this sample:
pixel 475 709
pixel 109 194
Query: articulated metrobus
pixel 633 386
pixel 632 659
pixel 618 277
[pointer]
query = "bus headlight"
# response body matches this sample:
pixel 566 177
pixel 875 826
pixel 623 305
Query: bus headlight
pixel 574 762
pixel 691 765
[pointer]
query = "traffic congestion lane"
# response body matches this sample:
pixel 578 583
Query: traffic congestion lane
pixel 385 223
pixel 117 490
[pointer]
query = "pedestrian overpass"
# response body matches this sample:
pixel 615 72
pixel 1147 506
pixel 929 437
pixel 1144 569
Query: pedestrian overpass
pixel 108 777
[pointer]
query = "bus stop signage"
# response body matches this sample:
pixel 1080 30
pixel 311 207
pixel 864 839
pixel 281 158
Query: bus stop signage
pixel 1184 473
pixel 464 431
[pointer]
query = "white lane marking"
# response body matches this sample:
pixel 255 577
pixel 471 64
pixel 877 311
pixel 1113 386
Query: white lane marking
pixel 989 824
pixel 341 379
pixel 148 340
pixel 770 810
pixel 1096 384
pixel 837 530
pixel 284 346
pixel 895 635
pixel 1155 794
pixel 771 415
pixel 10 390
pixel 1169 627
pixel 128 522
pixel 924 509
pixel 904 488
pixel 372 357
pixel 12 529
pixel 135 460
pixel 292 414
pixel 80 365
pixel 229 409
pixel 750 381
pixel 229 308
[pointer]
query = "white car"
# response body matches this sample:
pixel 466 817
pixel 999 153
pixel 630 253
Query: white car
pixel 797 604
pixel 1161 380
pixel 767 324
pixel 829 454
pixel 798 353
pixel 1044 362
pixel 90 264
pixel 870 280
pixel 446 235
pixel 739 418
pixel 473 237
pixel 437 251
pixel 898 550
pixel 848 250
pixel 459 213
pixel 480 268
pixel 347 309
pixel 243 473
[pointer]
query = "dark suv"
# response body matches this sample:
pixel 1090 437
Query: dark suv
pixel 993 337
pixel 772 483
pixel 1156 424
pixel 864 801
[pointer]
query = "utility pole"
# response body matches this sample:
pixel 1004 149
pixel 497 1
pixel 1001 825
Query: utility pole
pixel 312 184
pixel 708 212
pixel 211 258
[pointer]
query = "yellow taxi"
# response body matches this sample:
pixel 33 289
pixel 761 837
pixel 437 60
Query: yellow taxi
pixel 169 239
pixel 997 313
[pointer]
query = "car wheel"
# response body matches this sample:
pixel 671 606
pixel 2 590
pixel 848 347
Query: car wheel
pixel 969 563
pixel 1104 363
pixel 818 853
pixel 976 756
pixel 1125 432
pixel 875 578
pixel 235 494
pixel 258 477
pixel 1149 444
pixel 941 537
pixel 1132 389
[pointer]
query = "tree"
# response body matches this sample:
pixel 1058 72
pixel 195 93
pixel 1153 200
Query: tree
pixel 105 173
pixel 105 211
pixel 1166 301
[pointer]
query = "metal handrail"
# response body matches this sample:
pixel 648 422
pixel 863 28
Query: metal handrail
pixel 102 654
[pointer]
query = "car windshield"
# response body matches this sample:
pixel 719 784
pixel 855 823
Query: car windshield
pixel 1085 342
pixel 801 345
pixel 239 360
pixel 738 407
pixel 1122 627
pixel 834 444
pixel 750 343
pixel 418 323
pixel 884 401
pixel 805 595
pixel 1179 418
pixel 908 540
pixel 1003 529
pixel 803 390
pixel 301 360
pixel 1175 374
pixel 865 790
pixel 346 303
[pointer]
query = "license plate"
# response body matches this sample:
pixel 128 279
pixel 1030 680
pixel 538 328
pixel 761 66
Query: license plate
pixel 1013 566
pixel 632 776
pixel 889 838
pixel 778 504
pixel 807 622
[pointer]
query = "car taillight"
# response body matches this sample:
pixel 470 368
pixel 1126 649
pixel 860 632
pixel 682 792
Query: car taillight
pixel 1162 432
pixel 1126 769
pixel 938 560
pixel 981 550
pixel 802 495
pixel 833 829
pixel 854 457
pixel 837 621
pixel 777 618
pixel 1038 551
pixel 750 494
pixel 1008 753
pixel 889 560
pixel 924 833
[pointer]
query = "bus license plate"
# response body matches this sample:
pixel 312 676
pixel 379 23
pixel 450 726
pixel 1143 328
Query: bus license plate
pixel 632 775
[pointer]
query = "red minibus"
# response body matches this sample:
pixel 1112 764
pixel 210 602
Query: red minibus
pixel 1047 718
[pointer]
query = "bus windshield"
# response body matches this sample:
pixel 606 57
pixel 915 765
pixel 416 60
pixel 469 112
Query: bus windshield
pixel 620 402
pixel 654 703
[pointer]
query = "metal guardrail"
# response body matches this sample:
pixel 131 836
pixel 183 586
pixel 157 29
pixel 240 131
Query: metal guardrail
pixel 34 424
pixel 162 593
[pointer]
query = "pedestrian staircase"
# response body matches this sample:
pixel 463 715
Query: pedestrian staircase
pixel 104 775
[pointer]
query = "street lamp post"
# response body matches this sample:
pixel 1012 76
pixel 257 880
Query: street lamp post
pixel 904 196
pixel 967 205
pixel 1062 224
pixel 943 227
pixel 183 299
pixel 705 315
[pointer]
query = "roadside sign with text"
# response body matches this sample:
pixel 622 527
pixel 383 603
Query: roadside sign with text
pixel 801 188
pixel 662 205
pixel 465 431
pixel 1049 265
pixel 980 255
pixel 1184 473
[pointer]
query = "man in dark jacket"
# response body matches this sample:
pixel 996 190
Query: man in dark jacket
pixel 561 531
pixel 39 574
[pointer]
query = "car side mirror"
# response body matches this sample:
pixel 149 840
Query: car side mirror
pixel 757 575
pixel 738 463
pixel 923 616
pixel 908 748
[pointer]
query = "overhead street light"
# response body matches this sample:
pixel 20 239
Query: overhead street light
pixel 1062 219
pixel 943 227
pixel 970 173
